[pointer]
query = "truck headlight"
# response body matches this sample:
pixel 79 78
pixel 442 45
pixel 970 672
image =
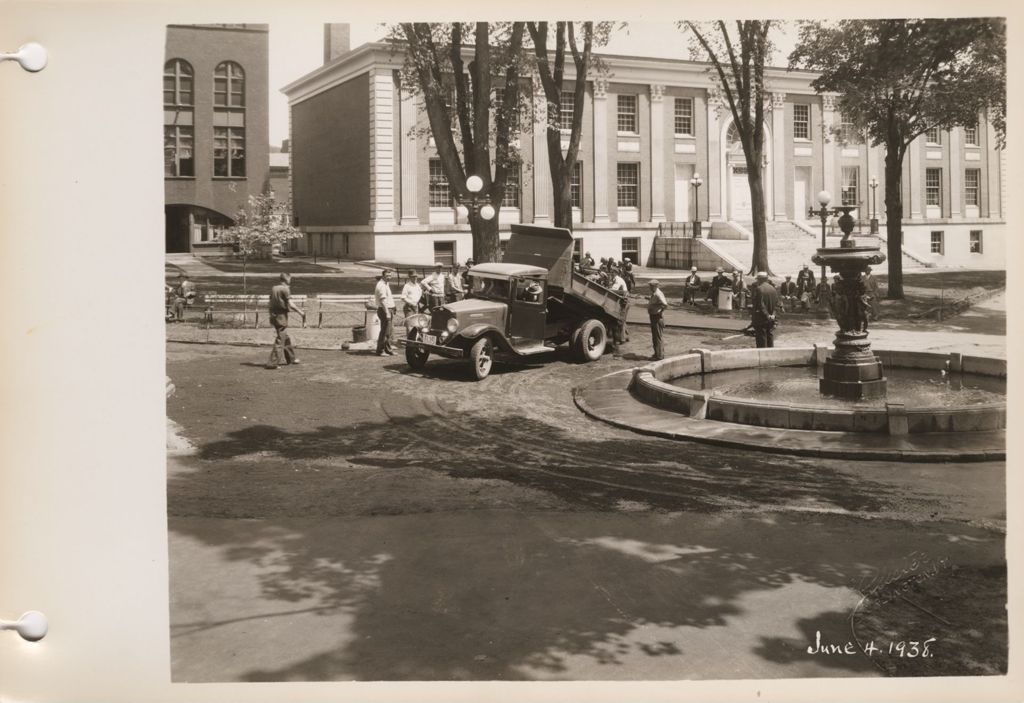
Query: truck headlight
pixel 452 325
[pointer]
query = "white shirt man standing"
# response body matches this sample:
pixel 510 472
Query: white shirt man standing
pixel 385 303
pixel 412 292
pixel 433 286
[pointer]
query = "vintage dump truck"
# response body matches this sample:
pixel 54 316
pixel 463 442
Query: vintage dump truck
pixel 528 304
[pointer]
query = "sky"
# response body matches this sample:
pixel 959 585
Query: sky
pixel 296 48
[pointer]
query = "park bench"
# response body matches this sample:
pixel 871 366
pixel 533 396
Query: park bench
pixel 244 305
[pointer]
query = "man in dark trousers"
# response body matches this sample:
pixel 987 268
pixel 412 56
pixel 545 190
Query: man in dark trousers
pixel 655 309
pixel 788 292
pixel 764 303
pixel 805 286
pixel 691 286
pixel 280 304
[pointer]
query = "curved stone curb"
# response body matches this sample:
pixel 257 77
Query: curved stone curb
pixel 609 400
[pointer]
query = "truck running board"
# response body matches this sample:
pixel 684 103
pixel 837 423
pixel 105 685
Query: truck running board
pixel 531 348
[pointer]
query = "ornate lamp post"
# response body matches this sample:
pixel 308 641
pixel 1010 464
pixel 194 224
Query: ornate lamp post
pixel 874 207
pixel 824 198
pixel 696 182
pixel 476 203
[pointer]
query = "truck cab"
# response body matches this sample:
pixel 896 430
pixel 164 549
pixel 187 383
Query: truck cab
pixel 519 308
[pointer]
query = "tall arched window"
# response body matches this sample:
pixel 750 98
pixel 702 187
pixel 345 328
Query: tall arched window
pixel 179 134
pixel 229 120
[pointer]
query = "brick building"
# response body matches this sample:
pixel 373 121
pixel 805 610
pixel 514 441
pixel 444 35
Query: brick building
pixel 366 183
pixel 216 129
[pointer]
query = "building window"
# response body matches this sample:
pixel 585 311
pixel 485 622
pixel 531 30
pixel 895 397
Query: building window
pixel 628 184
pixel 938 243
pixel 975 241
pixel 933 187
pixel 502 248
pixel 510 198
pixel 576 185
pixel 801 121
pixel 972 177
pixel 971 135
pixel 229 152
pixel 440 194
pixel 178 151
pixel 565 109
pixel 933 135
pixel 179 133
pixel 684 116
pixel 228 120
pixel 847 132
pixel 228 85
pixel 631 249
pixel 627 114
pixel 178 83
pixel 444 254
pixel 851 178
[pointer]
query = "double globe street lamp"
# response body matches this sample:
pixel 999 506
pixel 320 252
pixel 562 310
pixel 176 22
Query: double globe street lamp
pixel 696 182
pixel 476 203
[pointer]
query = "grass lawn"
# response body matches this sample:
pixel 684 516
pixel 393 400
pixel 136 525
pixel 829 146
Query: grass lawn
pixel 232 265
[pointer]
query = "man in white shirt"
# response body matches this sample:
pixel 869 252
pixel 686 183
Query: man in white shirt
pixel 619 335
pixel 411 295
pixel 655 309
pixel 385 303
pixel 433 286
pixel 455 288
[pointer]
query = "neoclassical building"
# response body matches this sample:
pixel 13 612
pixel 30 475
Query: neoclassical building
pixel 366 182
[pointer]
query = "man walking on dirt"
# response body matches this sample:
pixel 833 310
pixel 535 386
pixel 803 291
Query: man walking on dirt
pixel 280 304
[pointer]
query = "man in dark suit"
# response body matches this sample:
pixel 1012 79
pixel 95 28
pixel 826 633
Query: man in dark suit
pixel 764 304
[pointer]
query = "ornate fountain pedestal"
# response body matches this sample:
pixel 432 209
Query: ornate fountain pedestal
pixel 853 371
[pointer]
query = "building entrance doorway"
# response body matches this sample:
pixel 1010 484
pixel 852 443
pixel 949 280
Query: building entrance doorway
pixel 739 195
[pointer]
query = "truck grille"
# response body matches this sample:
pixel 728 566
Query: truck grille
pixel 439 318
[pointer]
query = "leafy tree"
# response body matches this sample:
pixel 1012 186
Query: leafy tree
pixel 551 70
pixel 737 60
pixel 436 68
pixel 259 226
pixel 898 78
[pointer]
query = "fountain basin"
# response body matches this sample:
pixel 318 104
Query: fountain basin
pixel 659 385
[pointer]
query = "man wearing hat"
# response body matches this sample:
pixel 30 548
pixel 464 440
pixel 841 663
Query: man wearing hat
pixel 433 285
pixel 788 292
pixel 739 290
pixel 805 285
pixel 719 281
pixel 691 286
pixel 764 304
pixel 385 303
pixel 411 295
pixel 656 306
pixel 184 295
pixel 280 304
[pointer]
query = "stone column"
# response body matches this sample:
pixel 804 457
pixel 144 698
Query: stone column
pixel 543 197
pixel 712 181
pixel 916 187
pixel 600 150
pixel 828 151
pixel 409 156
pixel 382 147
pixel 956 190
pixel 657 153
pixel 778 106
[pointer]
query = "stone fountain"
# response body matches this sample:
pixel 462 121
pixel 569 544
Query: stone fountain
pixel 853 371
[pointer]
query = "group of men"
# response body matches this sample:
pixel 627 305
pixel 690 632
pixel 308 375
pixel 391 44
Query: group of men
pixel 178 297
pixel 610 273
pixel 434 290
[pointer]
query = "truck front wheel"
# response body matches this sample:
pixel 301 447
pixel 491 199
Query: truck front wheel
pixel 416 357
pixel 481 356
pixel 589 341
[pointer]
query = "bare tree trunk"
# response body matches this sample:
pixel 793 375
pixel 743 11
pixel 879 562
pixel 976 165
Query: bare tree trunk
pixel 894 220
pixel 485 237
pixel 563 202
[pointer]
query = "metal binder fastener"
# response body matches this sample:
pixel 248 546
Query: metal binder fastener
pixel 32 625
pixel 31 56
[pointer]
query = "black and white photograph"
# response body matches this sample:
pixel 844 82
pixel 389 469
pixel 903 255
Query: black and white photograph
pixel 529 350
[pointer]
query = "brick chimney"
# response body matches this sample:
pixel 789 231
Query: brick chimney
pixel 336 41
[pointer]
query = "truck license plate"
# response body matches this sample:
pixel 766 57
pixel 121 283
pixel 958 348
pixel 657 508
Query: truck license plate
pixel 429 339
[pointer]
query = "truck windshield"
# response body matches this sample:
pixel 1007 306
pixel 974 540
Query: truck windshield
pixel 491 288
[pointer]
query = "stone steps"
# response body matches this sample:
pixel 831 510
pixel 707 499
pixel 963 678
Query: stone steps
pixel 788 255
